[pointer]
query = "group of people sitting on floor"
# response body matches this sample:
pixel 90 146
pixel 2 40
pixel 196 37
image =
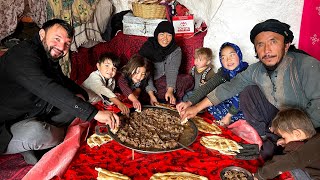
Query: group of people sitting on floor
pixel 278 95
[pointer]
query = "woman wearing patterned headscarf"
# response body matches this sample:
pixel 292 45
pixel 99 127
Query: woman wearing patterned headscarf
pixel 231 61
pixel 162 50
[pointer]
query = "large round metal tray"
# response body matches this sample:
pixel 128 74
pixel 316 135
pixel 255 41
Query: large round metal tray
pixel 238 169
pixel 187 138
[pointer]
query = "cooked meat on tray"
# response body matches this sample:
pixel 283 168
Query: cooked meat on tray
pixel 151 129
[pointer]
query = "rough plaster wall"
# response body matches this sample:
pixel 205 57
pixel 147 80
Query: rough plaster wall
pixel 203 10
pixel 232 20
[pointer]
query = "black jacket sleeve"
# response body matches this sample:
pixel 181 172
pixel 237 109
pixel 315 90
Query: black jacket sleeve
pixel 31 70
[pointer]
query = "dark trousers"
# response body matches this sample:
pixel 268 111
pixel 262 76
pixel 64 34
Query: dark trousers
pixel 259 113
pixel 185 83
pixel 58 118
pixel 257 110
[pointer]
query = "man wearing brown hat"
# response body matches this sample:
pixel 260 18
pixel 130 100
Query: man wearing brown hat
pixel 283 77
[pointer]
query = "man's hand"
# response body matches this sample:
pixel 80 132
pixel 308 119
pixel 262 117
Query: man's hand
pixel 183 106
pixel 190 112
pixel 169 96
pixel 108 118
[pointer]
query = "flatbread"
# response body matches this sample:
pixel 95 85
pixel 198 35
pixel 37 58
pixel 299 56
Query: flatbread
pixel 96 140
pixel 221 144
pixel 206 127
pixel 184 121
pixel 90 142
pixel 177 176
pixel 115 130
pixel 104 174
pixel 167 106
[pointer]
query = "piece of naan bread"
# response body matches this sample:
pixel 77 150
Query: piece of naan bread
pixel 221 144
pixel 97 140
pixel 104 174
pixel 206 127
pixel 166 106
pixel 177 176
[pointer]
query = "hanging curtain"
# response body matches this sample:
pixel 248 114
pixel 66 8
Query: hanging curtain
pixel 310 28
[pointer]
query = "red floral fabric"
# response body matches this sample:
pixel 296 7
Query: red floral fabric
pixel 115 157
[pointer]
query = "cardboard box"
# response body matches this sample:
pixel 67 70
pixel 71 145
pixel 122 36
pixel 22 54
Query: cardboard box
pixel 183 25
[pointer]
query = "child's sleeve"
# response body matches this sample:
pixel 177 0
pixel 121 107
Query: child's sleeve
pixel 210 74
pixel 96 85
pixel 124 85
pixel 150 86
pixel 205 89
pixel 307 156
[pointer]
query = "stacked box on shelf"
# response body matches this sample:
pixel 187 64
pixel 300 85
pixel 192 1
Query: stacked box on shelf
pixel 138 26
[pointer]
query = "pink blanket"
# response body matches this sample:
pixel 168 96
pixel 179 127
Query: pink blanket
pixel 310 28
pixel 244 130
pixel 56 161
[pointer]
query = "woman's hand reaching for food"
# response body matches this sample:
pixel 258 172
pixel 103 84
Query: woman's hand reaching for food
pixel 169 96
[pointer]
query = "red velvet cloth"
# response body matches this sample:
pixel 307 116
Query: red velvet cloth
pixel 115 157
pixel 124 46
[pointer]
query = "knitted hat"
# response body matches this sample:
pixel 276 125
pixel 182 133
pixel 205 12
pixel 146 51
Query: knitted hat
pixel 274 26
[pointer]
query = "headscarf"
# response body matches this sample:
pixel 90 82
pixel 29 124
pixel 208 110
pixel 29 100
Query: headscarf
pixel 274 26
pixel 152 50
pixel 229 74
pixel 220 110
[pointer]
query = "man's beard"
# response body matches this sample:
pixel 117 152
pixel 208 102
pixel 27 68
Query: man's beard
pixel 49 49
pixel 272 68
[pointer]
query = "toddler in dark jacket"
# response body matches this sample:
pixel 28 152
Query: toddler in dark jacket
pixel 301 154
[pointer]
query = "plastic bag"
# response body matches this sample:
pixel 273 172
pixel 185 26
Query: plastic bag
pixel 245 131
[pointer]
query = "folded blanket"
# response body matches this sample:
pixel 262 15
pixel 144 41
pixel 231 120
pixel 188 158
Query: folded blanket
pixel 55 162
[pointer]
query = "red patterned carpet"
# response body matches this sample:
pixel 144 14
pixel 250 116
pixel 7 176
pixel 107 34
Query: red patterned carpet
pixel 112 156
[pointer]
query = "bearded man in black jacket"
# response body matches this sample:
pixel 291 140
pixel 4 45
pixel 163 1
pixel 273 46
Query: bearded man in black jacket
pixel 37 101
